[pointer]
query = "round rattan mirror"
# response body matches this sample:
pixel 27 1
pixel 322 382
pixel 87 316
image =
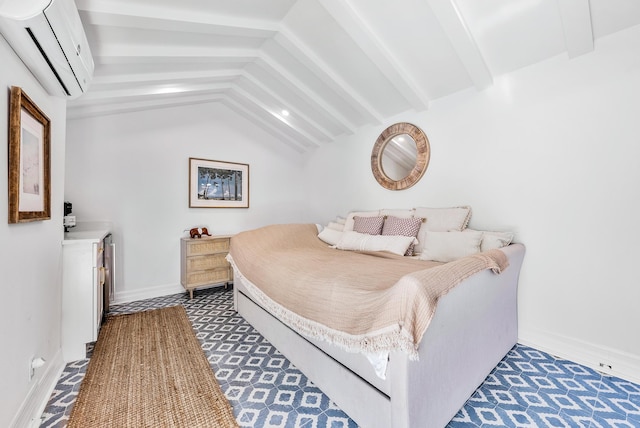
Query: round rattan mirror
pixel 400 156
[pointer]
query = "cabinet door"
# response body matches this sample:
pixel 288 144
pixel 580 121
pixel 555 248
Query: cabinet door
pixel 80 303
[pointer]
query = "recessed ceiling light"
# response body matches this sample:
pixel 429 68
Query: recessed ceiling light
pixel 168 90
pixel 285 112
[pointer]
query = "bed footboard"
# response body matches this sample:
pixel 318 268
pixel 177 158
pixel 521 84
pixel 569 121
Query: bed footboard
pixel 459 349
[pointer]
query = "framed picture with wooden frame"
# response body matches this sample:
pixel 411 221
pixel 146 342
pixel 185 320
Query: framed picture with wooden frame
pixel 29 160
pixel 218 184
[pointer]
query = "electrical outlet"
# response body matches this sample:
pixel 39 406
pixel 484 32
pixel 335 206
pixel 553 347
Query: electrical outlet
pixel 35 363
pixel 605 369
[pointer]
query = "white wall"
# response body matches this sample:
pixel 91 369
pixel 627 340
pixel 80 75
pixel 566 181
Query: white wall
pixel 29 266
pixel 132 170
pixel 551 152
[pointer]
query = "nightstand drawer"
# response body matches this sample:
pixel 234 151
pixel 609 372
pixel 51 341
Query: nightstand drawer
pixel 208 276
pixel 207 246
pixel 212 261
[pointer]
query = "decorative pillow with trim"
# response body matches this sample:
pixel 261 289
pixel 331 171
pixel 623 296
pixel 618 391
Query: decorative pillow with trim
pixel 363 242
pixel 368 225
pixel 402 227
pixel 450 246
pixel 348 224
pixel 441 220
pixel 493 240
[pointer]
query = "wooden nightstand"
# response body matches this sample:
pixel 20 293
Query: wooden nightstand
pixel 203 262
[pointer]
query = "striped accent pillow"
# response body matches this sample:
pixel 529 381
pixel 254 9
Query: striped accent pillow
pixel 368 225
pixel 402 227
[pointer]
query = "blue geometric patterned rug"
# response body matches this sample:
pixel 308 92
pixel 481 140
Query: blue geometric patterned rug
pixel 528 388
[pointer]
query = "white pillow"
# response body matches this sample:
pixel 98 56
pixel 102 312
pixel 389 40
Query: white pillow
pixel 335 226
pixel 330 236
pixel 450 246
pixel 341 220
pixel 444 219
pixel 397 213
pixel 493 240
pixel 441 220
pixel 364 242
pixel 348 225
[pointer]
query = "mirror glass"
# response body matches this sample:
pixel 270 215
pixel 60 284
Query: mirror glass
pixel 400 156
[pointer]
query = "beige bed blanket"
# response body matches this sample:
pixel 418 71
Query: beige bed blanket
pixel 362 302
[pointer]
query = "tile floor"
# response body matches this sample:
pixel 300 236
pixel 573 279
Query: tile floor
pixel 528 388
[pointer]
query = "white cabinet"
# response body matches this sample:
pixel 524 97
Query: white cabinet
pixel 83 276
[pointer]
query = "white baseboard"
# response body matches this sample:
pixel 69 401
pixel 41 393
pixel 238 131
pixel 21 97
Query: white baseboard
pixel 146 293
pixel 37 398
pixel 601 358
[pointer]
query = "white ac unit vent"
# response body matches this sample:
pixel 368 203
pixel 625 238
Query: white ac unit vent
pixel 49 38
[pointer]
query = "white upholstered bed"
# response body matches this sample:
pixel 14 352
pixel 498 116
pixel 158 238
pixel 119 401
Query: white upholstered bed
pixel 474 326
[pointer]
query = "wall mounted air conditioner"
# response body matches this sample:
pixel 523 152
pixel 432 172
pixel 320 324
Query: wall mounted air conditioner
pixel 49 38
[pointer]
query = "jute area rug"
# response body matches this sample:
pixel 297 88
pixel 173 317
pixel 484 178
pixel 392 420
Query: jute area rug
pixel 148 370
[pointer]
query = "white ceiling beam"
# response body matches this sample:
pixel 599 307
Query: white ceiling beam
pixel 304 54
pixel 157 55
pixel 175 24
pixel 289 79
pixel 312 141
pixel 82 111
pixel 150 17
pixel 463 43
pixel 182 53
pixel 576 24
pixel 151 91
pixel 114 59
pixel 294 112
pixel 164 77
pixel 355 26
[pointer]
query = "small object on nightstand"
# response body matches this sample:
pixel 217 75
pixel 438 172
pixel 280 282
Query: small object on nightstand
pixel 203 262
pixel 198 232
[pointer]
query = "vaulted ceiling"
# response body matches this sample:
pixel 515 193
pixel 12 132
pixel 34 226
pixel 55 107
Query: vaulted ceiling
pixel 332 65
